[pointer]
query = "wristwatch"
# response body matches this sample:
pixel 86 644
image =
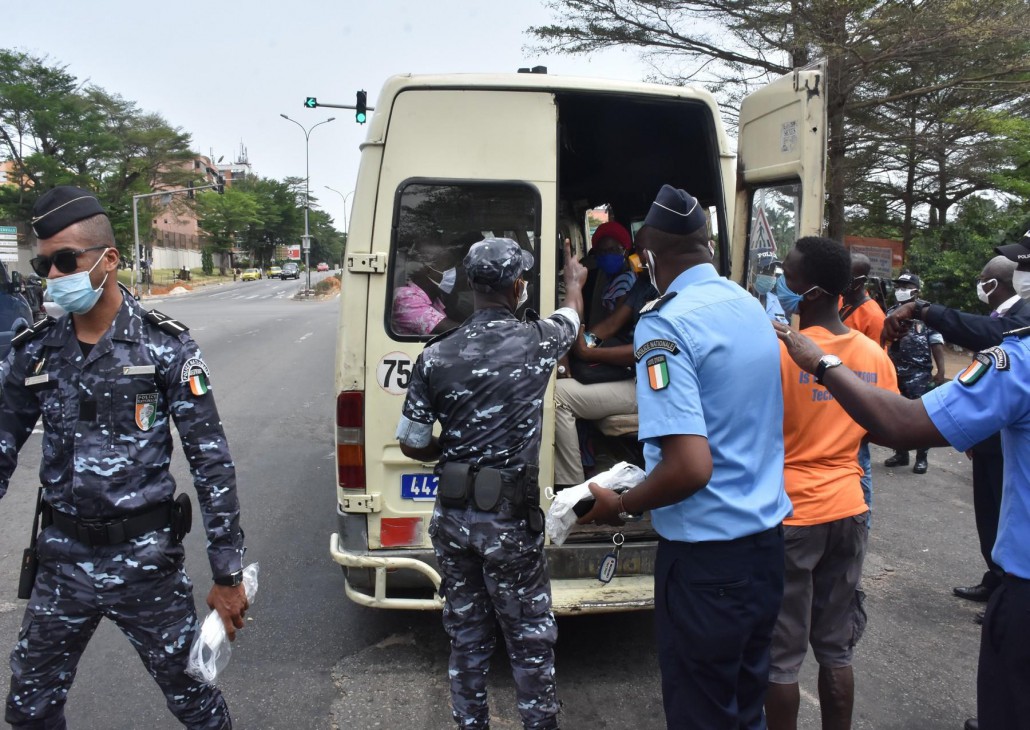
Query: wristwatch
pixel 232 580
pixel 825 363
pixel 921 307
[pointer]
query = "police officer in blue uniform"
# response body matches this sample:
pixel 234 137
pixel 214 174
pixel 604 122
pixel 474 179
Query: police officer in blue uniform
pixel 977 332
pixel 991 395
pixel 109 379
pixel 484 382
pixel 711 419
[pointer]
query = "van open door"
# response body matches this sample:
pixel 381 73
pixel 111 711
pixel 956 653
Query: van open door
pixel 781 168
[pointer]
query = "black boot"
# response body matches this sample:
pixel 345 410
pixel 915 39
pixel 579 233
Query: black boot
pixel 920 466
pixel 900 458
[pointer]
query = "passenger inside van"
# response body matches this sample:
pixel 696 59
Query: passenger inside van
pixel 598 381
pixel 435 296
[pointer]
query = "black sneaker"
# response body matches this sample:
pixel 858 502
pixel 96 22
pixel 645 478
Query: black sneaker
pixel 920 466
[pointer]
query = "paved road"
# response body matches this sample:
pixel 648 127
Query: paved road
pixel 310 659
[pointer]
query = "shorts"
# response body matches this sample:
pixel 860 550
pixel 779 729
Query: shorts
pixel 822 604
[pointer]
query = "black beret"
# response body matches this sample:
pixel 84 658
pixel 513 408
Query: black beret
pixel 58 208
pixel 675 211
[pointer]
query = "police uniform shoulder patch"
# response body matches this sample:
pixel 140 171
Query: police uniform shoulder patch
pixel 30 333
pixel 655 304
pixel 195 374
pixel 172 326
pixel 659 344
pixel 982 362
pixel 657 372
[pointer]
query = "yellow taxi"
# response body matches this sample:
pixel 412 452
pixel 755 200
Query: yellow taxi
pixel 250 275
pixel 274 272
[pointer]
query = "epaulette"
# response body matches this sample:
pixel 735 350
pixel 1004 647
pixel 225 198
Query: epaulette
pixel 31 333
pixel 1018 332
pixel 172 326
pixel 655 304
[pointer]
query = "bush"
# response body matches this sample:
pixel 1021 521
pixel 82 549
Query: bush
pixel 328 285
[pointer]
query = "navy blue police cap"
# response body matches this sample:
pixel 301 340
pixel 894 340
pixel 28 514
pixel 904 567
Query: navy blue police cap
pixel 495 263
pixel 909 280
pixel 1018 252
pixel 675 211
pixel 61 207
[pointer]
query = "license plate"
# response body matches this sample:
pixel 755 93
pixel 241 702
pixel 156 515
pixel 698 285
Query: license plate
pixel 419 487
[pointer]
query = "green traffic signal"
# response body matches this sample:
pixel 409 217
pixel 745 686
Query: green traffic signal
pixel 361 108
pixel 310 102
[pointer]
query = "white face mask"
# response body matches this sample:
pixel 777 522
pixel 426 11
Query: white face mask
pixel 904 295
pixel 651 267
pixel 523 295
pixel 450 278
pixel 1021 283
pixel 981 293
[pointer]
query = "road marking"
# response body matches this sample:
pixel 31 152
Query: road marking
pixel 252 296
pixel 304 337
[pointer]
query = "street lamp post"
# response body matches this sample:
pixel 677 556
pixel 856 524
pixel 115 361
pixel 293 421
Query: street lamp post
pixel 346 226
pixel 307 184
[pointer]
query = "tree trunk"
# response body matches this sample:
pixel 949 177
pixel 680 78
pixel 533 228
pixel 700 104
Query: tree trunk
pixel 910 183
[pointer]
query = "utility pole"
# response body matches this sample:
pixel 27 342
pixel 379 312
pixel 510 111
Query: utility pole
pixel 306 238
pixel 346 226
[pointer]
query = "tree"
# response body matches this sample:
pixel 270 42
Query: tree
pixel 732 44
pixel 57 132
pixel 224 217
pixel 280 222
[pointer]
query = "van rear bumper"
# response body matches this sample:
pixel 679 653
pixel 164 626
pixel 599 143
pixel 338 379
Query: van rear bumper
pixel 374 579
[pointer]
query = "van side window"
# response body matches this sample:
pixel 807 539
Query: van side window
pixel 435 225
pixel 775 224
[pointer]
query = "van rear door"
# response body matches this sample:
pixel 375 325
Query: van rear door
pixel 781 167
pixel 457 164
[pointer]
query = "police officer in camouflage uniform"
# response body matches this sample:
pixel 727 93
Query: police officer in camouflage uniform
pixel 914 355
pixel 109 379
pixel 485 382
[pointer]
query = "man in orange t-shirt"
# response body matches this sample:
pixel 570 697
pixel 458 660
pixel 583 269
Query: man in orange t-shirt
pixel 860 312
pixel 826 536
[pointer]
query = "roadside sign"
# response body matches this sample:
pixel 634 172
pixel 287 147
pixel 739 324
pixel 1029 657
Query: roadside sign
pixel 9 244
pixel 293 253
pixel 761 233
pixel 880 260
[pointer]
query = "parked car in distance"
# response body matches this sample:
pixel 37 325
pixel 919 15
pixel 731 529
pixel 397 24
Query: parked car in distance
pixel 273 272
pixel 323 266
pixel 250 275
pixel 290 271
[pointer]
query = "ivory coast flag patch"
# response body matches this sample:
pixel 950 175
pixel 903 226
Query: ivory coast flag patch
pixel 974 371
pixel 657 372
pixel 196 374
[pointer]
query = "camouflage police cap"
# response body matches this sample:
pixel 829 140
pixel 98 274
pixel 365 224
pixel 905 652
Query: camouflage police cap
pixel 495 263
pixel 61 207
pixel 908 280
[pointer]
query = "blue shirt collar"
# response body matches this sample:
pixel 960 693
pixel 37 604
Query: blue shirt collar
pixel 694 275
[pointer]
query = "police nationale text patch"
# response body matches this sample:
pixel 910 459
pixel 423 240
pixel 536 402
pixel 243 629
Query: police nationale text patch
pixel 196 374
pixel 146 410
pixel 655 345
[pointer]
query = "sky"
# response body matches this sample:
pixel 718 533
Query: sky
pixel 224 70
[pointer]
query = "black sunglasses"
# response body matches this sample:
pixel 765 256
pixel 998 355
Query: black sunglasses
pixel 66 260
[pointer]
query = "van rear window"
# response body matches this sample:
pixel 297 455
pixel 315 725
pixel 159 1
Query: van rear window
pixel 435 224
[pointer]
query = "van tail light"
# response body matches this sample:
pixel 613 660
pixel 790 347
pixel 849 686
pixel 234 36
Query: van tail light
pixel 350 439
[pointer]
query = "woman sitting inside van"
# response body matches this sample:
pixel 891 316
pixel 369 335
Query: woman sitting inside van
pixel 430 300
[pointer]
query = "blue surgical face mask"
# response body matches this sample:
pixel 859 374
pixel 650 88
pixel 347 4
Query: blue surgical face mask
pixel 611 263
pixel 788 299
pixel 764 283
pixel 74 292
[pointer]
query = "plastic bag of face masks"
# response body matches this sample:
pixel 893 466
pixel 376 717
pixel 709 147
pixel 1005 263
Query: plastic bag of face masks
pixel 561 517
pixel 211 648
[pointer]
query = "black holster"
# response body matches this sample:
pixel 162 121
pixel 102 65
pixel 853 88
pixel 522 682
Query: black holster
pixel 182 517
pixel 29 557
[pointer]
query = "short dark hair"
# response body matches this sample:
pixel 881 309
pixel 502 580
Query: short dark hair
pixel 659 240
pixel 825 263
pixel 98 229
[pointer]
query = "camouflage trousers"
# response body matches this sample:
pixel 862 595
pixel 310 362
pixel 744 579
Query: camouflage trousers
pixel 493 568
pixel 914 384
pixel 141 586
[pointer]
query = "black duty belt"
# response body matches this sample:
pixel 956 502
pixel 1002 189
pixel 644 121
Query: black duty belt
pixel 462 484
pixel 100 533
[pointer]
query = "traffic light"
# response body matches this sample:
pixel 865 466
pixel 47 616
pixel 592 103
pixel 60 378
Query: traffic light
pixel 221 185
pixel 361 108
pixel 310 102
